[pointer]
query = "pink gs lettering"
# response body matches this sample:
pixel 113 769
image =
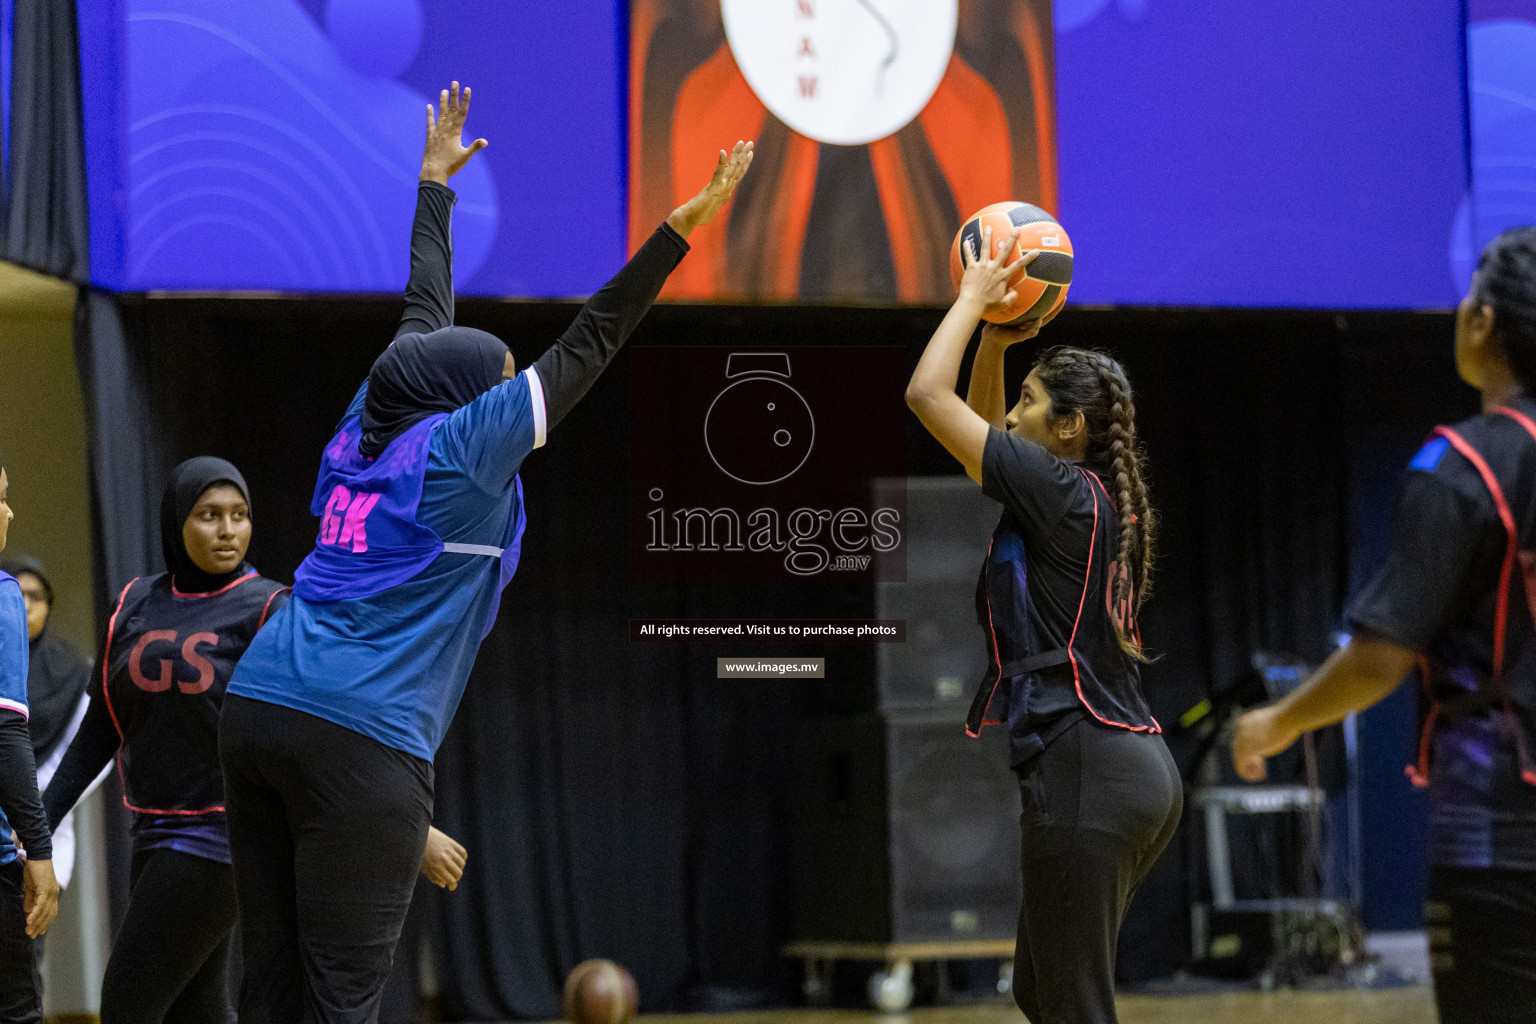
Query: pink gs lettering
pixel 345 521
pixel 189 656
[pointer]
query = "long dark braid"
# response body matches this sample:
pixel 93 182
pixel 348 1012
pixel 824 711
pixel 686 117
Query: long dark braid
pixel 1094 384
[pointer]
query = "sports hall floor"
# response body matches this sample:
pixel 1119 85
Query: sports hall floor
pixel 1413 1005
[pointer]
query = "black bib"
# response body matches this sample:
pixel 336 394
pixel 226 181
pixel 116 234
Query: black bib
pixel 168 658
pixel 1089 673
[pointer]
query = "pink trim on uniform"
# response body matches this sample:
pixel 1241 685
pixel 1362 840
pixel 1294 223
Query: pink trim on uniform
pixel 1077 681
pixel 1506 570
pixel 997 658
pixel 16 706
pixel 106 694
pixel 268 606
pixel 211 593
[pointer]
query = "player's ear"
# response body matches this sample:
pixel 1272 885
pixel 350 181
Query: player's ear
pixel 509 368
pixel 1068 427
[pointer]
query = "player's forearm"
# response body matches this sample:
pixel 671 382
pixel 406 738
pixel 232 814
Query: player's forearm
pixel 1352 679
pixel 569 368
pixel 18 787
pixel 985 394
pixel 91 750
pixel 938 371
pixel 429 292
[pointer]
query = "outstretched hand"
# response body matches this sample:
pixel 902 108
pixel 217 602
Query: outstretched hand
pixel 701 209
pixel 445 153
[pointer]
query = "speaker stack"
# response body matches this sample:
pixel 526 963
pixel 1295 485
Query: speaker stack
pixel 906 829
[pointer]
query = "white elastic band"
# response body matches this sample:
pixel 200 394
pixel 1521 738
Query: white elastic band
pixel 472 549
pixel 540 413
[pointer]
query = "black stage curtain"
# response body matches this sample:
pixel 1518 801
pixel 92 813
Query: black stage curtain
pixel 617 799
pixel 45 223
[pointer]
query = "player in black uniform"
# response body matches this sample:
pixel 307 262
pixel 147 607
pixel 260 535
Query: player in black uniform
pixel 171 643
pixel 1456 598
pixel 1063 578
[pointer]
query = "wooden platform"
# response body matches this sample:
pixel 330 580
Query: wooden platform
pixel 1390 1006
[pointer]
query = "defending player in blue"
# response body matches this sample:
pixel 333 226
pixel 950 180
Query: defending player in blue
pixel 29 894
pixel 334 714
pixel 1457 599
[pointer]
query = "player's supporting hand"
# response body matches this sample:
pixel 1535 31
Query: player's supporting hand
pixel 1003 335
pixel 985 282
pixel 444 859
pixel 445 154
pixel 1259 734
pixel 701 209
pixel 40 896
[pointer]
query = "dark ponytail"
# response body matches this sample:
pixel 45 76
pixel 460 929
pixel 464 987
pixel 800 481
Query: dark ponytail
pixel 1506 283
pixel 1094 384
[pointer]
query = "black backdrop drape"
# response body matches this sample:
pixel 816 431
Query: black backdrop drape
pixel 617 799
pixel 44 226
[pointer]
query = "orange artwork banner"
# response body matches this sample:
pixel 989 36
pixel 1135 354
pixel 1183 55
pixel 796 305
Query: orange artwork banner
pixel 879 124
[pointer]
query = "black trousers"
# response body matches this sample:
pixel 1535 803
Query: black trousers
pixel 1100 804
pixel 327 828
pixel 170 960
pixel 20 987
pixel 1482 944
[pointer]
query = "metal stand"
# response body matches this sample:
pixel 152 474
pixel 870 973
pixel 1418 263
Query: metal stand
pixel 891 989
pixel 1306 930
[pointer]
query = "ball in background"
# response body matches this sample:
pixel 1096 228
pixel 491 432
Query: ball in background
pixel 600 992
pixel 1042 285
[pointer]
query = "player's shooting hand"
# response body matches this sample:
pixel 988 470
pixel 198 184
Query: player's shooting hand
pixel 1259 734
pixel 730 168
pixel 444 859
pixel 40 896
pixel 986 278
pixel 1003 335
pixel 445 154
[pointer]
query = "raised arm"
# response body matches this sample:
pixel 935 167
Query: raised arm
pixel 931 391
pixel 429 293
pixel 570 366
pixel 985 396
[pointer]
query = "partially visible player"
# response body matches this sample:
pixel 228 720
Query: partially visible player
pixel 1062 581
pixel 1456 597
pixel 57 678
pixel 335 713
pixel 29 893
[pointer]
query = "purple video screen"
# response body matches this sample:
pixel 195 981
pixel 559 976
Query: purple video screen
pixel 1211 152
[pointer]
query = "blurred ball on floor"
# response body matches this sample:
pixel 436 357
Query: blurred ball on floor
pixel 600 992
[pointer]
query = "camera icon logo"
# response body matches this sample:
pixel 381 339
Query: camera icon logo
pixel 759 430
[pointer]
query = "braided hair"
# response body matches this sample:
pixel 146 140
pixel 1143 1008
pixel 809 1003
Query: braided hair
pixel 1094 384
pixel 1506 283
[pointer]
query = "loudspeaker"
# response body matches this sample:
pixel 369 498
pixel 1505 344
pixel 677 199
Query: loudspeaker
pixel 905 829
pixel 949 524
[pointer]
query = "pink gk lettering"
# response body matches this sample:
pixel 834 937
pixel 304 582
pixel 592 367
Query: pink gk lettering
pixel 354 528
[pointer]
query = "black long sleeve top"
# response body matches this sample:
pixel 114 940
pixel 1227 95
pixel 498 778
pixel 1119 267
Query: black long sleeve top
pixel 89 752
pixel 571 365
pixel 18 788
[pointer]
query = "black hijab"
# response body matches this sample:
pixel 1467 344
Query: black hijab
pixel 56 674
pixel 189 482
pixel 423 374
